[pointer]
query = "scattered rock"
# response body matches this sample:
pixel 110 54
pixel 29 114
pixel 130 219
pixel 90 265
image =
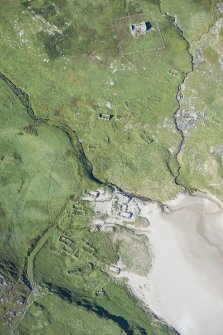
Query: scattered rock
pixel 217 151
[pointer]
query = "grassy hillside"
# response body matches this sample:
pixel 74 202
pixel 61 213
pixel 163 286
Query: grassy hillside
pixel 95 66
pixel 200 114
pixel 66 65
pixel 53 269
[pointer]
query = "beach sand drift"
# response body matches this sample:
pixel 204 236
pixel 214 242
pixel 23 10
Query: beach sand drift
pixel 185 284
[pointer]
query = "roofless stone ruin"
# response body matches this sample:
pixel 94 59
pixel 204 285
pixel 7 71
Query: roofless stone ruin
pixel 140 29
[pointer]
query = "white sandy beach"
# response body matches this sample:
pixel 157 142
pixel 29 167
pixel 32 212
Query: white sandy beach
pixel 185 284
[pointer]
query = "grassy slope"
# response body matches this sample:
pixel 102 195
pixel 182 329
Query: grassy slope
pixel 38 174
pixel 82 279
pixel 194 17
pixel 72 85
pixel 201 168
pixel 69 84
pixel 45 316
pixel 42 175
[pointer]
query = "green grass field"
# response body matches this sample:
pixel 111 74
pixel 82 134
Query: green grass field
pixel 63 63
pixel 44 175
pixel 75 86
pixel 200 159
